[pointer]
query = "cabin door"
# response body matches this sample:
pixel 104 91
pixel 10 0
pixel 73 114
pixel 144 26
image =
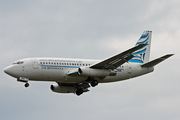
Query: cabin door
pixel 35 63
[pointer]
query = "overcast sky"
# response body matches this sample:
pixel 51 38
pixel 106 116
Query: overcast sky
pixel 94 30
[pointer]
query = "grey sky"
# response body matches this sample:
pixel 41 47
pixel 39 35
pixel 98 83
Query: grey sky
pixel 96 30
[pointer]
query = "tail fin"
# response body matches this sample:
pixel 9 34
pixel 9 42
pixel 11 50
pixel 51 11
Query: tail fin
pixel 142 55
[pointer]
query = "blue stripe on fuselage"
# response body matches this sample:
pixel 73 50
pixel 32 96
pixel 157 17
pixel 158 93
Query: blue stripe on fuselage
pixel 68 66
pixel 60 66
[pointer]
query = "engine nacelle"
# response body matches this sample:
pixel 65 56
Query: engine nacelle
pixel 95 72
pixel 63 89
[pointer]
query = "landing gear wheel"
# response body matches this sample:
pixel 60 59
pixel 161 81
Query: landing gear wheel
pixel 79 92
pixel 94 83
pixel 26 85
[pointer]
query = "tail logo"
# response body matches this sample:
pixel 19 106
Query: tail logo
pixel 139 55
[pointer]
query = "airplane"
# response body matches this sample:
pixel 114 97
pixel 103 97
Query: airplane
pixel 77 75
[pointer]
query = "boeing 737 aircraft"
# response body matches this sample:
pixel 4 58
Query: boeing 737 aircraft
pixel 77 75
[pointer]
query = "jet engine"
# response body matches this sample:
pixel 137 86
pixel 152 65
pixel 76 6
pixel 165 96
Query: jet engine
pixel 95 72
pixel 63 89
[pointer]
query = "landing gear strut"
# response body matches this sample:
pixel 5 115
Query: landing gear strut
pixel 26 84
pixel 94 83
pixel 22 79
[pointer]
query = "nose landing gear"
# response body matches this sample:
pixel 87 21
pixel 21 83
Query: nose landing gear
pixel 22 79
pixel 26 84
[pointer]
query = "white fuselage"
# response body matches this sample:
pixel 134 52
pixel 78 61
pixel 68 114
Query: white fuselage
pixel 57 69
pixel 77 75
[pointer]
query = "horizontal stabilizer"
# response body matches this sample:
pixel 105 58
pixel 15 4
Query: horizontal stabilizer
pixel 156 61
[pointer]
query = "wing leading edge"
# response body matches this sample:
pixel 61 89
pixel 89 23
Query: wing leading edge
pixel 117 60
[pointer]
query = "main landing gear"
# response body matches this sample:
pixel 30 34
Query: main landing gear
pixel 79 92
pixel 94 83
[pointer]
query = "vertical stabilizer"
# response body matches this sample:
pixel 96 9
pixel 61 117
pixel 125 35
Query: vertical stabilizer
pixel 142 55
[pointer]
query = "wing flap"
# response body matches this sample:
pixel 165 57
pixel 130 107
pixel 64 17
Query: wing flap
pixel 156 61
pixel 117 60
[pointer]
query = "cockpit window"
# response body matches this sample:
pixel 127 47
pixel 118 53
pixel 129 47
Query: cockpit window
pixel 19 62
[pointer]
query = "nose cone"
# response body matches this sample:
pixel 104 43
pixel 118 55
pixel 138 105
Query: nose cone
pixel 9 70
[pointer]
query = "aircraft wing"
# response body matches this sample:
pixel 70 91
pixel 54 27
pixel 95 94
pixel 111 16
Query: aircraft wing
pixel 117 60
